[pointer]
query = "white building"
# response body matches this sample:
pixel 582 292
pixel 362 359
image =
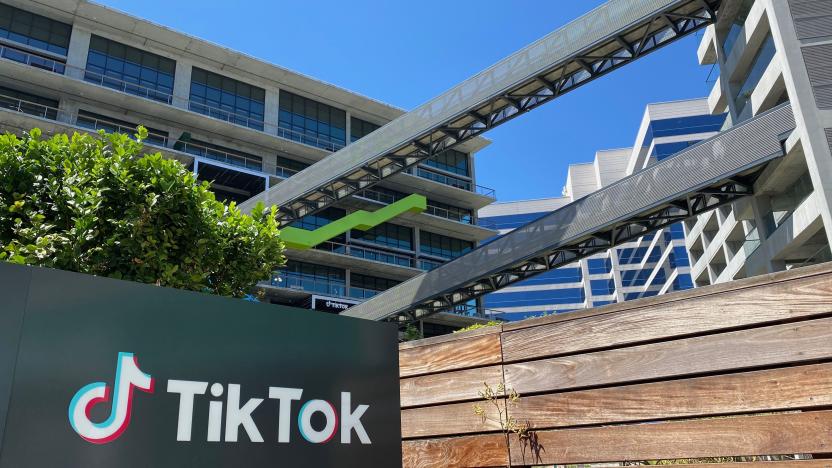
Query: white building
pixel 651 265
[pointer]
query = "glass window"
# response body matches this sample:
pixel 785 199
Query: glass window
pixel 662 151
pixel 443 246
pixel 597 266
pixel 387 234
pixel 360 128
pixel 444 179
pixel 28 103
pixel 679 257
pixel 227 99
pixel 34 30
pixel 563 275
pixel 451 161
pixel 755 73
pixel 635 277
pixel 288 167
pixel 95 121
pixel 311 122
pixel 682 282
pixel 320 219
pixel 677 231
pixel 451 212
pixel 601 303
pixel 221 153
pixel 546 297
pixel 602 287
pixel 130 70
pixel 313 278
pixel 365 287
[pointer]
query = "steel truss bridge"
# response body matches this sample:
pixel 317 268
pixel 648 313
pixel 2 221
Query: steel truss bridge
pixel 701 178
pixel 601 41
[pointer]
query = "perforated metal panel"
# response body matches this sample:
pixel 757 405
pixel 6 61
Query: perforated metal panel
pixel 819 67
pixel 748 145
pixel 829 137
pixel 812 18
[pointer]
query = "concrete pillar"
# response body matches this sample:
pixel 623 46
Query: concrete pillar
pixel 182 83
pixel 67 111
pixel 348 127
pixel 272 111
pixel 76 57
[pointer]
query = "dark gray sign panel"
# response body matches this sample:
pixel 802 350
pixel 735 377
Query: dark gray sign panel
pixel 117 374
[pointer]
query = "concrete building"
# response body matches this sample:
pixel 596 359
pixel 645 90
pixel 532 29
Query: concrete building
pixel 653 264
pixel 768 52
pixel 244 125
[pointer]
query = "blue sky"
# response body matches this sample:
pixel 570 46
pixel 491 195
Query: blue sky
pixel 405 53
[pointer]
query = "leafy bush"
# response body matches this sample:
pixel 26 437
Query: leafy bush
pixel 95 204
pixel 477 326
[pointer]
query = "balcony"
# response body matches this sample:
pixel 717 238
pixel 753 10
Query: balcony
pixel 34 60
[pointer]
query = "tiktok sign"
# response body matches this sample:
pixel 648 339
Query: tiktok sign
pixel 102 373
pixel 129 377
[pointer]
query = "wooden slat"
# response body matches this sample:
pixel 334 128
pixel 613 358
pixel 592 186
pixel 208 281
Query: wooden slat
pixel 803 297
pixel 746 435
pixel 759 391
pixel 767 346
pixel 459 354
pixel 445 420
pixel 767 464
pixel 823 269
pixel 486 450
pixel 447 387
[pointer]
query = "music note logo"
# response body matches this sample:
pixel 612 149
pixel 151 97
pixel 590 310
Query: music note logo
pixel 128 376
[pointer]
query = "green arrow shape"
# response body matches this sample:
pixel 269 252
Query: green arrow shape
pixel 301 239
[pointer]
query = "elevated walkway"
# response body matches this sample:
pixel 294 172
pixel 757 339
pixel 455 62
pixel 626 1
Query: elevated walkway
pixel 608 37
pixel 712 173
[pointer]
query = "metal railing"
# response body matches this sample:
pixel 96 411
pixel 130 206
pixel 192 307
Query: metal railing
pixel 448 214
pixel 94 123
pixel 309 140
pixel 31 59
pixel 232 159
pixel 28 107
pixel 367 253
pixel 455 182
pixel 296 281
pixel 119 84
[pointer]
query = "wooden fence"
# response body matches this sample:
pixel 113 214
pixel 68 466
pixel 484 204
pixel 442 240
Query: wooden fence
pixel 736 369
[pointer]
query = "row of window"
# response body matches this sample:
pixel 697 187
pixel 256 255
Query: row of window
pixel 34 30
pixel 135 71
pixel 328 280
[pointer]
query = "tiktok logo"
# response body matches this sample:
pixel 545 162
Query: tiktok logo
pixel 128 376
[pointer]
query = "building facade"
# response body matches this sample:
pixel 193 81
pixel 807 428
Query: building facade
pixel 653 264
pixel 769 52
pixel 243 125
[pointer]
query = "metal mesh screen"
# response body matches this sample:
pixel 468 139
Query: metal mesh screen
pixel 819 67
pixel 745 146
pixel 599 24
pixel 812 18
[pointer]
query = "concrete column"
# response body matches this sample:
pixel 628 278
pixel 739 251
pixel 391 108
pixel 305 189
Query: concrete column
pixel 182 83
pixel 68 110
pixel 76 57
pixel 272 113
pixel 616 274
pixel 348 127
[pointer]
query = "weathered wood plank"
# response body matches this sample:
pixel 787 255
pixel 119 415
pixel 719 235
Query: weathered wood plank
pixel 759 391
pixel 447 387
pixel 802 297
pixel 823 269
pixel 767 464
pixel 485 450
pixel 774 345
pixel 459 354
pixel 744 435
pixel 446 420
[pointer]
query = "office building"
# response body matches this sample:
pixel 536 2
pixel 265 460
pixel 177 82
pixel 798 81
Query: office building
pixel 768 52
pixel 650 265
pixel 243 125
